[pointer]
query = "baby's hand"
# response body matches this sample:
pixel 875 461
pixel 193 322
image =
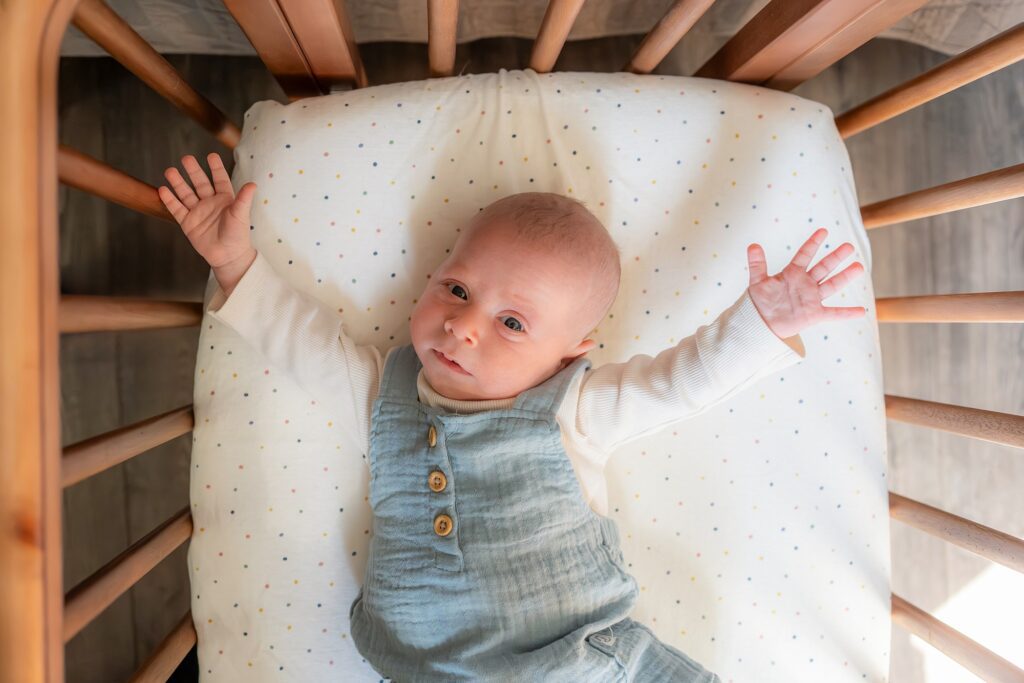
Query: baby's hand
pixel 216 222
pixel 791 300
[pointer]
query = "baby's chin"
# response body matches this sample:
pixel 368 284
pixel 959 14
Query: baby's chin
pixel 462 387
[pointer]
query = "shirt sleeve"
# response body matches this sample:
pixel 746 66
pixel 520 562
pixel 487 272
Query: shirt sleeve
pixel 620 402
pixel 303 337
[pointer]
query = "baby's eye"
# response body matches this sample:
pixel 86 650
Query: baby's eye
pixel 519 325
pixel 458 287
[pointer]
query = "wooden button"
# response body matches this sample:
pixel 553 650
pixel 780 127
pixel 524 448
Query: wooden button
pixel 443 525
pixel 432 436
pixel 437 480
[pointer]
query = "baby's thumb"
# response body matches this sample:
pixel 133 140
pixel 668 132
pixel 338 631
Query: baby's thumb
pixel 758 264
pixel 243 200
pixel 241 206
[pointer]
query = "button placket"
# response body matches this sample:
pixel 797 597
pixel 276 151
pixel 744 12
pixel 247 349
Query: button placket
pixel 447 554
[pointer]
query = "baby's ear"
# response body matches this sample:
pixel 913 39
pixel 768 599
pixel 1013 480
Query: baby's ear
pixel 583 347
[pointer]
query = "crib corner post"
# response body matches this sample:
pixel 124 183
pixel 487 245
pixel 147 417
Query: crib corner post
pixel 31 590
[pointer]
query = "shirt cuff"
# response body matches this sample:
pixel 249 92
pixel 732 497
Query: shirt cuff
pixel 739 344
pixel 245 298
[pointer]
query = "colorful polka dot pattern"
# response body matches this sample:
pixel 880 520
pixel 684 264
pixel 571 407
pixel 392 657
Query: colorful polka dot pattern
pixel 758 531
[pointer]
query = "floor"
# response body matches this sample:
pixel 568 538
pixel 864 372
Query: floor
pixel 109 380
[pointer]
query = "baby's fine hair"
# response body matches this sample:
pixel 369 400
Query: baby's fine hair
pixel 566 226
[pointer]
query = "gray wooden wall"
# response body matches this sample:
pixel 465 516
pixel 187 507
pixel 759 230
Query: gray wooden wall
pixel 113 379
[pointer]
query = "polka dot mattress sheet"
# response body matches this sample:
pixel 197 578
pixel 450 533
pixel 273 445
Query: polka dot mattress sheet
pixel 757 530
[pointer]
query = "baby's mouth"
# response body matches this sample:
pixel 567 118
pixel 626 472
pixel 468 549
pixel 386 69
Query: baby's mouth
pixel 450 363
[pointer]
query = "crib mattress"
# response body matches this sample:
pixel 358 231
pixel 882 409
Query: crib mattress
pixel 757 530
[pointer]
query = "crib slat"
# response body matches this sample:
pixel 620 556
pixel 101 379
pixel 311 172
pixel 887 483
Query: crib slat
pixel 264 24
pixel 442 25
pixel 954 644
pixel 789 41
pixel 975 307
pixel 324 33
pixel 987 542
pixel 666 34
pixel 987 425
pixel 995 53
pixel 87 600
pixel 92 456
pixel 108 30
pixel 159 666
pixel 90 175
pixel 554 30
pixel 87 313
pixel 994 186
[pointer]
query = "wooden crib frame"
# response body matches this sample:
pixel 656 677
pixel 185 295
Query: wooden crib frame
pixel 309 47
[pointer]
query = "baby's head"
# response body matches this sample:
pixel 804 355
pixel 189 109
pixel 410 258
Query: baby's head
pixel 530 277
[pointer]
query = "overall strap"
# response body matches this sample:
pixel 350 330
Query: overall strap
pixel 400 370
pixel 547 396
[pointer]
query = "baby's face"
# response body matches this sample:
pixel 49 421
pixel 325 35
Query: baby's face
pixel 505 311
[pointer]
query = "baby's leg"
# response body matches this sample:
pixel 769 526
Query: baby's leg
pixel 645 658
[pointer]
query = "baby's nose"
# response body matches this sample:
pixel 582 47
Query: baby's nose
pixel 462 327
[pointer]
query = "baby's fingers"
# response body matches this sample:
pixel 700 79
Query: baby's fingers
pixel 176 208
pixel 809 248
pixel 826 265
pixel 198 176
pixel 840 280
pixel 221 181
pixel 181 188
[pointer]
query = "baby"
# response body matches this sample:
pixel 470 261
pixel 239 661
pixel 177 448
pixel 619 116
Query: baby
pixel 492 557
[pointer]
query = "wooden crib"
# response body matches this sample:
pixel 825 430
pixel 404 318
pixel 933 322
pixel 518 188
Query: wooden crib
pixel 309 47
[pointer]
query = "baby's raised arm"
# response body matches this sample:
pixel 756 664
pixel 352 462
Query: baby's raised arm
pixel 215 221
pixel 297 333
pixel 756 336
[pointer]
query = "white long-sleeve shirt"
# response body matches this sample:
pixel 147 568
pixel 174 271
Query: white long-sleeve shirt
pixel 604 408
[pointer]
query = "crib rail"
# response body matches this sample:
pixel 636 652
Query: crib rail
pixel 996 53
pixel 96 20
pixel 442 27
pixel 159 666
pixel 309 47
pixel 86 313
pixel 554 30
pixel 666 34
pixel 325 36
pixel 84 602
pixel 82 172
pixel 987 425
pixel 971 655
pixel 265 26
pixel 976 307
pixel 92 456
pixel 988 543
pixel 994 186
pixel 789 41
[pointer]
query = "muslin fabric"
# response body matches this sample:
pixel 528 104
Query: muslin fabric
pixel 522 573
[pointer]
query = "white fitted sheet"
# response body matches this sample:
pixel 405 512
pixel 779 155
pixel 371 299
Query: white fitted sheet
pixel 757 531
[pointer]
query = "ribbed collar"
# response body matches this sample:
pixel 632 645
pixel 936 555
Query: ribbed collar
pixel 430 397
